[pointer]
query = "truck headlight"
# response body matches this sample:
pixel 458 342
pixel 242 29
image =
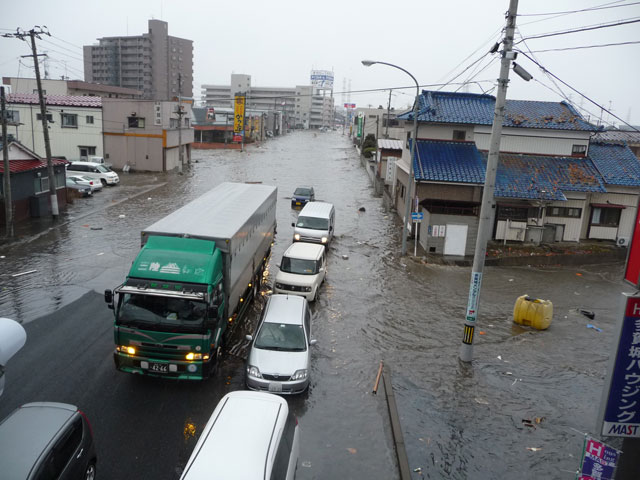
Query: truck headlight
pixel 299 375
pixel 193 356
pixel 280 286
pixel 128 349
pixel 253 371
pixel 296 237
pixel 307 289
pixel 324 240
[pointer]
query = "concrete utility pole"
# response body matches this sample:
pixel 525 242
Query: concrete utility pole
pixel 33 34
pixel 180 113
pixel 487 206
pixel 386 130
pixel 8 210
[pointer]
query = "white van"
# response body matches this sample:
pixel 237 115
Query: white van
pixel 315 223
pixel 94 171
pixel 302 270
pixel 250 436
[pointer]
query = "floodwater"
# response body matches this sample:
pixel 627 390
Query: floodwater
pixel 459 421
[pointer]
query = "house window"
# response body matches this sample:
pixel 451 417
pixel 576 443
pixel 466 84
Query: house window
pixel 605 217
pixel 459 135
pixel 186 122
pixel 513 213
pixel 86 151
pixel 13 116
pixel 564 212
pixel 69 120
pixel 49 117
pixel 135 122
pixel 41 184
pixel 89 120
pixel 173 123
pixel 579 150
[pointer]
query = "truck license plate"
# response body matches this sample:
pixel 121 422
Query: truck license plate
pixel 159 367
pixel 275 387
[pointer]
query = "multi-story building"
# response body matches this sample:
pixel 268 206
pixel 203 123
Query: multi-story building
pixel 302 106
pixel 154 62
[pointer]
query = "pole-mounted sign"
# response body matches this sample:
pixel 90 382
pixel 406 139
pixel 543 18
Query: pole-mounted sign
pixel 238 115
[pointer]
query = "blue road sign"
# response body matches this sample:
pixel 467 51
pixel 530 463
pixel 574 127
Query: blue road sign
pixel 417 216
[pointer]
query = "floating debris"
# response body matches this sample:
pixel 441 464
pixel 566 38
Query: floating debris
pixel 588 313
pixel 597 329
pixel 23 273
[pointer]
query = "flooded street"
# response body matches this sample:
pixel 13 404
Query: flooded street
pixel 459 421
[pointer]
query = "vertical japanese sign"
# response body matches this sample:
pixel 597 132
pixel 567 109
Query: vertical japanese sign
pixel 622 400
pixel 598 460
pixel 360 124
pixel 238 115
pixel 632 269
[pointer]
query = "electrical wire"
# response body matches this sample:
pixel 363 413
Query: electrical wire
pixel 605 6
pixel 582 29
pixel 586 46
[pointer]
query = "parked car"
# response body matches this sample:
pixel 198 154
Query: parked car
pixel 301 196
pixel 12 339
pixel 302 270
pixel 47 440
pixel 94 171
pixel 250 436
pixel 94 184
pixel 81 189
pixel 280 359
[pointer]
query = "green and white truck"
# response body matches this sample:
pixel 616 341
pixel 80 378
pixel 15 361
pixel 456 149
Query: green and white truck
pixel 197 272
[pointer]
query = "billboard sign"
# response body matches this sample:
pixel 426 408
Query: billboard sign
pixel 632 269
pixel 322 78
pixel 598 460
pixel 621 401
pixel 238 114
pixel 349 105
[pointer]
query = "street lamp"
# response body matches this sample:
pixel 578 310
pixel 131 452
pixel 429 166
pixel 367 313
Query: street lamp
pixel 411 181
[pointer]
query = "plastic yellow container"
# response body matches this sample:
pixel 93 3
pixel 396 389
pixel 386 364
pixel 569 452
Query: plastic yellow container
pixel 533 312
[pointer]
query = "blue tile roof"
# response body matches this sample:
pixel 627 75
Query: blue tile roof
pixel 616 163
pixel 518 176
pixel 477 109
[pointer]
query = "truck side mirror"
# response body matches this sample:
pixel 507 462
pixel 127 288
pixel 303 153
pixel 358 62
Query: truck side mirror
pixel 293 224
pixel 108 297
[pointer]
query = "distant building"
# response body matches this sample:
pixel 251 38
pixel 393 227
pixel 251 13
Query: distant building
pixel 302 106
pixel 69 87
pixel 151 62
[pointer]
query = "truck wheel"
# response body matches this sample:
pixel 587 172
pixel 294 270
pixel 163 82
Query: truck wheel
pixel 217 357
pixel 317 294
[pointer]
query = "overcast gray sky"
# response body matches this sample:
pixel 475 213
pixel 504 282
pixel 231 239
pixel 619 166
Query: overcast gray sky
pixel 279 42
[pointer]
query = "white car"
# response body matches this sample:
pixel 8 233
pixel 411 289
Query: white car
pixel 94 171
pixel 81 180
pixel 302 270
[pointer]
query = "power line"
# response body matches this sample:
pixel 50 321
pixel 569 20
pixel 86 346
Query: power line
pixel 578 92
pixel 583 29
pixel 585 46
pixel 605 6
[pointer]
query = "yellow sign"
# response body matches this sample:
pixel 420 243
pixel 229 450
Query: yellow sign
pixel 238 115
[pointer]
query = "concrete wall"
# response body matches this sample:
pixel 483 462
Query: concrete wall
pixel 435 244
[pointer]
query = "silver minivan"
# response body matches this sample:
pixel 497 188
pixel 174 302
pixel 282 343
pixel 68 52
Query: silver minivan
pixel 315 224
pixel 250 436
pixel 280 359
pixel 302 270
pixel 95 171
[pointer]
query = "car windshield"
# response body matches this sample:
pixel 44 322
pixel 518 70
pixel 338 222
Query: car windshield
pixel 282 337
pixel 302 192
pixel 103 169
pixel 313 223
pixel 151 312
pixel 299 266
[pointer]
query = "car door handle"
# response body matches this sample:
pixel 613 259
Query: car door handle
pixel 80 453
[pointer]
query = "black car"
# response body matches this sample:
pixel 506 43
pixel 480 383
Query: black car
pixel 82 190
pixel 301 196
pixel 47 440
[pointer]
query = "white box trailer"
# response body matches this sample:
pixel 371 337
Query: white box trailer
pixel 241 219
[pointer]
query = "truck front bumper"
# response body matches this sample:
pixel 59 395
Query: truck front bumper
pixel 179 370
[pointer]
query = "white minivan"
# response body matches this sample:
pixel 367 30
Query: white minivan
pixel 302 270
pixel 315 223
pixel 94 171
pixel 250 436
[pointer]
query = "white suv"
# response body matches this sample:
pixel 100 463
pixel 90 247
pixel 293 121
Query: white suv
pixel 302 270
pixel 94 171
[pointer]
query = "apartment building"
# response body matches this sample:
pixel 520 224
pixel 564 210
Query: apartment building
pixel 154 63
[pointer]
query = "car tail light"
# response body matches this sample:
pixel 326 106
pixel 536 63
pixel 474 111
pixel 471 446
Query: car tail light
pixel 86 420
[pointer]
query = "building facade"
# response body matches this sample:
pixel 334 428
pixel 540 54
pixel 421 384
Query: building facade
pixel 76 88
pixel 154 63
pixel 75 124
pixel 145 135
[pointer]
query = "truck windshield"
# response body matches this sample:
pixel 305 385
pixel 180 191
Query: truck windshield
pixel 281 336
pixel 161 313
pixel 313 223
pixel 299 266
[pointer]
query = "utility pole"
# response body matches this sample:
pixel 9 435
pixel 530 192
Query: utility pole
pixel 487 206
pixel 33 34
pixel 180 113
pixel 386 131
pixel 8 211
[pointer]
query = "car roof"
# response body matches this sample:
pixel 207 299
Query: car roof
pixel 283 308
pixel 27 432
pixel 316 209
pixel 304 251
pixel 239 437
pixel 86 163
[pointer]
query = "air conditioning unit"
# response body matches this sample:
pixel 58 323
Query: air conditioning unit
pixel 623 241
